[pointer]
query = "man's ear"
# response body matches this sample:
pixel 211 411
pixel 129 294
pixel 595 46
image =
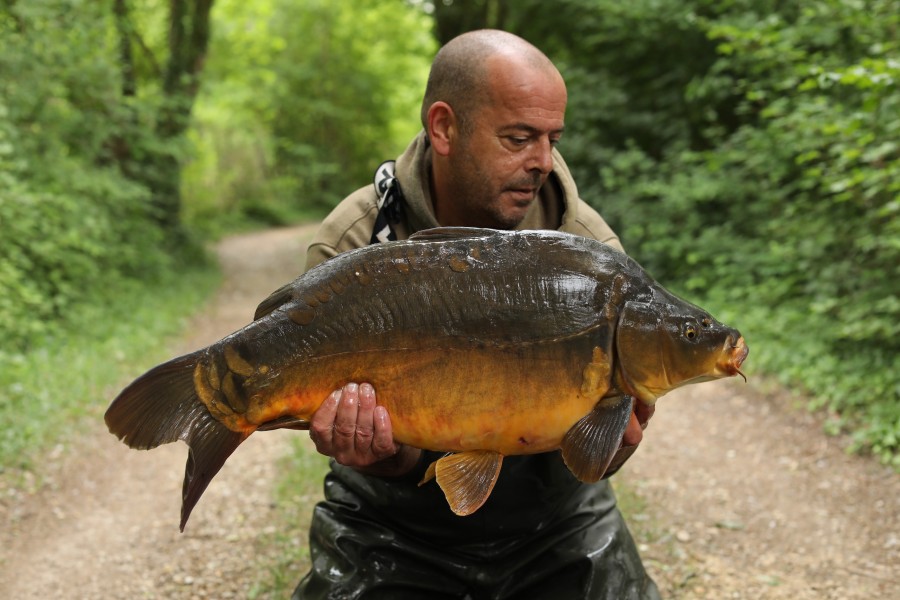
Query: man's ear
pixel 442 127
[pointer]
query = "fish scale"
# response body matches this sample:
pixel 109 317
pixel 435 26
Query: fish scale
pixel 480 343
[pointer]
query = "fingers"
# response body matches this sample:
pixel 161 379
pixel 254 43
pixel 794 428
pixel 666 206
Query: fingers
pixel 365 427
pixel 633 432
pixel 619 459
pixel 321 427
pixel 640 417
pixel 350 427
pixel 643 412
pixel 383 444
pixel 344 436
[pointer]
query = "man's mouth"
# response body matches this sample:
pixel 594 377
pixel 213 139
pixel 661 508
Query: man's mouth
pixel 523 194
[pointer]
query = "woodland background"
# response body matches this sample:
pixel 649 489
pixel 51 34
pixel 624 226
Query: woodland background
pixel 747 152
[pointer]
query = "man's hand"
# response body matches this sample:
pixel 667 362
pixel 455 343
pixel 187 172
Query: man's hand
pixel 634 433
pixel 352 429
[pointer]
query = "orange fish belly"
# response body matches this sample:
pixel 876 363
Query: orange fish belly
pixel 519 399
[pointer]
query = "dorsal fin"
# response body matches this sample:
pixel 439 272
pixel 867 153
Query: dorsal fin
pixel 277 298
pixel 452 233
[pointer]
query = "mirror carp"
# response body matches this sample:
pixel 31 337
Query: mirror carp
pixel 480 343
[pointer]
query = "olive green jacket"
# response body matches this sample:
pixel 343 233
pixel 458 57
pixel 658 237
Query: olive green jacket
pixel 350 224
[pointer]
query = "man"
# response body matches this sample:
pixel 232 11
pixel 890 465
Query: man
pixel 493 111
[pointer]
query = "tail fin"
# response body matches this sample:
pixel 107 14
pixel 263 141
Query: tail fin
pixel 160 407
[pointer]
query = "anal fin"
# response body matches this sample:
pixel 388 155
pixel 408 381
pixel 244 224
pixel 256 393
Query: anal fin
pixel 429 473
pixel 210 443
pixel 466 478
pixel 590 445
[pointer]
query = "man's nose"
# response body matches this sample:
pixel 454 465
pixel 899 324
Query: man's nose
pixel 541 158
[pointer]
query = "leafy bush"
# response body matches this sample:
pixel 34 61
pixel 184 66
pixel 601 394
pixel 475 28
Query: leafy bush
pixel 759 172
pixel 302 103
pixel 747 153
pixel 65 248
pixel 73 226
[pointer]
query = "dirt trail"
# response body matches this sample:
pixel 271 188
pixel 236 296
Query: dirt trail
pixel 752 500
pixel 105 524
pixel 745 497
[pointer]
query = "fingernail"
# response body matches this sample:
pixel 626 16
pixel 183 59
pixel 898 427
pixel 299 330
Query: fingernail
pixel 352 388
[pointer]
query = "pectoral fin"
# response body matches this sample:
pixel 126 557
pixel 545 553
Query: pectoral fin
pixel 285 422
pixel 466 478
pixel 590 445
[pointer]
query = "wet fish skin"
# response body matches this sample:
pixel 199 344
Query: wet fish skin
pixel 552 333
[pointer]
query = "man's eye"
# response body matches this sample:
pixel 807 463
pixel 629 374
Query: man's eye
pixel 518 141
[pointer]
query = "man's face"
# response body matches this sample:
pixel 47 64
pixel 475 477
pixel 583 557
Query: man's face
pixel 497 168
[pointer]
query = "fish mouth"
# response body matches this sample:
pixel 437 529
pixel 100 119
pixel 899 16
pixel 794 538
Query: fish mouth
pixel 735 354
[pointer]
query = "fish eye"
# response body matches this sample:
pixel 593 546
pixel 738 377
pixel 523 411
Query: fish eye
pixel 690 332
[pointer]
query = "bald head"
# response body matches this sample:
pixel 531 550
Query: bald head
pixel 460 74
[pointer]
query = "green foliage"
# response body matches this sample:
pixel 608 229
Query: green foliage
pixel 747 153
pixel 64 248
pixel 91 106
pixel 72 225
pixel 303 101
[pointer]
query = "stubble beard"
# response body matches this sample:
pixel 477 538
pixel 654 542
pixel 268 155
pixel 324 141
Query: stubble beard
pixel 483 204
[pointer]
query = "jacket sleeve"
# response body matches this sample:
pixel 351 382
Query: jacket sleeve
pixel 348 226
pixel 590 224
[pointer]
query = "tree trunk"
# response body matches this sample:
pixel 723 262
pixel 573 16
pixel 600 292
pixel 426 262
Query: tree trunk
pixel 160 168
pixel 189 31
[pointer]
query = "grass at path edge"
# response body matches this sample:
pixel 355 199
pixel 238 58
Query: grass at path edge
pixel 47 393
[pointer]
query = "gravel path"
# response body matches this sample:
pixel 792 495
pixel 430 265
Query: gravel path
pixel 743 496
pixel 750 500
pixel 104 524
